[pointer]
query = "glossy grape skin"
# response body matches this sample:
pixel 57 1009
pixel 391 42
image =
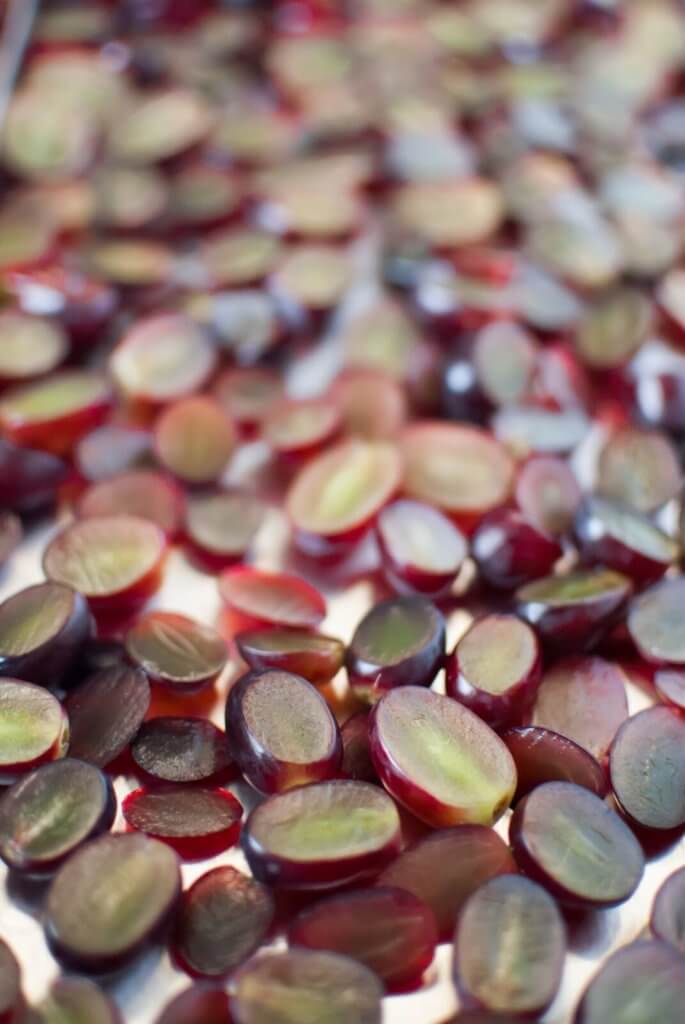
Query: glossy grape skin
pixel 542 755
pixel 315 657
pixel 603 861
pixel 357 762
pixel 495 669
pixel 470 777
pixel 509 947
pixel 42 632
pixel 399 642
pixel 639 983
pixel 50 812
pixel 389 930
pixel 349 830
pixel 105 711
pixel 511 551
pixel 647 768
pixel 612 534
pixel 281 731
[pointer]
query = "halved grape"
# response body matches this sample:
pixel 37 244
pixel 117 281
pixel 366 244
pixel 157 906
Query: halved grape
pixel 76 1001
pixel 390 931
pixel 255 598
pixel 445 867
pixel 542 755
pixel 614 328
pixel 459 469
pixel 614 534
pixel 511 551
pixel 246 323
pixel 55 412
pixel 639 467
pixel 310 282
pixel 162 358
pixel 322 835
pixel 111 450
pixel 575 610
pixel 571 841
pixel 196 821
pixel 439 759
pixel 281 731
pixel 509 947
pixel 449 214
pixel 114 561
pixel 140 268
pixel 176 651
pixel 639 983
pixel 668 911
pixel 299 428
pixel 203 196
pixel 197 1003
pixel 47 814
pixel 128 198
pixel 585 700
pixel 169 749
pixel 422 549
pixel 311 216
pixel 44 146
pixel 223 918
pixel 357 762
pixel 194 439
pixel 373 404
pixel 12 1004
pixel 83 304
pixel 399 642
pixel 239 257
pixel 29 346
pixel 138 492
pixel 305 987
pixel 29 478
pixel 110 898
pixel 655 622
pixel 534 428
pixel 42 631
pixel 159 125
pixel 105 713
pixel 247 394
pixel 504 360
pixel 669 684
pixel 34 728
pixel 337 495
pixel 647 768
pixel 221 527
pixel 495 669
pixel 311 655
pixel 548 493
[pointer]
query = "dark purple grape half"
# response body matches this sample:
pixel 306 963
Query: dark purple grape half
pixel 668 911
pixel 357 762
pixel 511 551
pixel 105 712
pixel 647 768
pixel 223 918
pixel 322 835
pixel 613 534
pixel 571 842
pixel 34 728
pixel 585 700
pixel 542 755
pixel 29 479
pixel 42 631
pixel 195 1004
pixel 176 651
pixel 573 611
pixel 169 749
pixel 11 998
pixel 655 622
pixel 422 549
pixel 641 983
pixel 109 899
pixel 305 986
pixel 197 822
pixel 76 1001
pixel 509 947
pixel 398 642
pixel 495 669
pixel 446 866
pixel 439 759
pixel 281 731
pixel 47 814
pixel 391 931
pixel 315 657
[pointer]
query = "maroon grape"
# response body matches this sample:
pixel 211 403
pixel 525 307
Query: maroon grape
pixel 176 651
pixel 197 1003
pixel 613 534
pixel 542 755
pixel 196 821
pixel 137 492
pixel 169 749
pixel 510 551
pixel 311 655
pixel 548 493
pixel 105 712
pixel 669 684
pixel 357 762
pixel 111 451
pixel 42 632
pixel 576 610
pixel 29 479
pixel 254 599
pixel 647 768
pixel 220 528
pixel 422 549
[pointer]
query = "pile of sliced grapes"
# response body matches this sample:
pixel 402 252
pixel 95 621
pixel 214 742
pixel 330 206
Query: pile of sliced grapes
pixel 342 512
